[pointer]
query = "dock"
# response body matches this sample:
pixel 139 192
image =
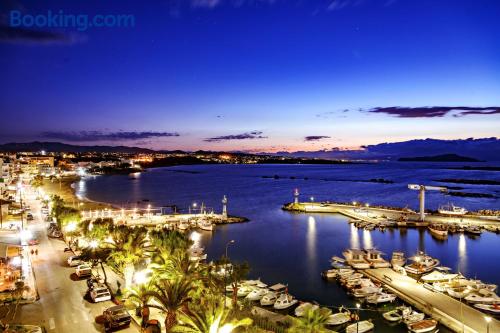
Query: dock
pixel 457 316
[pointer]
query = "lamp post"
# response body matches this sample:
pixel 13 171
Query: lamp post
pixel 488 320
pixel 357 317
pixel 225 271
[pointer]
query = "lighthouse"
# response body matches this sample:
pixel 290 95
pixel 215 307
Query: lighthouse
pixel 296 196
pixel 224 207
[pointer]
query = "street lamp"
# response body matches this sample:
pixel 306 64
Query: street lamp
pixel 225 271
pixel 354 203
pixel 488 320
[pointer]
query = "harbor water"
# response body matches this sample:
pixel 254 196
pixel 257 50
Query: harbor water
pixel 294 248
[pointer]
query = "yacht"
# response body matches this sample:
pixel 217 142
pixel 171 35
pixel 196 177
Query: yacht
pixel 398 259
pixel 356 258
pixel 438 230
pixel 485 298
pixel 366 291
pixel 459 292
pixel 243 291
pixel 490 308
pixel 437 276
pixel 255 283
pixel 303 307
pixel 284 301
pixel 183 225
pixel 451 209
pixel 422 263
pixel 380 298
pixel 375 259
pixel 256 294
pixel 422 326
pixel 360 327
pixel 205 225
pixel 269 298
pixel 329 274
pixel 339 318
pixel 397 314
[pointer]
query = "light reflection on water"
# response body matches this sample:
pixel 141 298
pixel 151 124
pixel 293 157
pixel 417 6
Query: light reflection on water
pixel 354 240
pixel 462 254
pixel 367 239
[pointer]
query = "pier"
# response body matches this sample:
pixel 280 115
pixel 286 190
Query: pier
pixel 450 312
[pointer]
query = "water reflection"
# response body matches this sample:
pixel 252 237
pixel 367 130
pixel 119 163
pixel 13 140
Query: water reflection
pixel 367 239
pixel 462 254
pixel 311 239
pixel 195 237
pixel 354 237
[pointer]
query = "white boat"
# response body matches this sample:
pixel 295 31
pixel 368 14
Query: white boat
pixel 422 263
pixel 459 292
pixel 205 225
pixel 243 291
pixel 284 301
pixel 269 298
pixel 438 230
pixel 398 259
pixel 339 318
pixel 451 209
pixel 380 298
pixel 359 283
pixel 183 225
pixel 473 230
pixel 437 276
pixel 374 257
pixel 360 327
pixel 256 294
pixel 229 287
pixel 397 314
pixel 303 307
pixel 344 272
pixel 366 291
pixel 356 258
pixel 413 317
pixel 350 277
pixel 330 274
pixel 422 326
pixel 255 283
pixel 491 298
pixel 490 308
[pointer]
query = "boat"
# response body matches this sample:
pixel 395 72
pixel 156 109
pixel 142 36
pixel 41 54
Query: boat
pixel 473 230
pixel 230 287
pixel 374 257
pixel 243 291
pixel 451 209
pixel 347 278
pixel 344 272
pixel 490 298
pixel 436 276
pixel 269 298
pixel 339 318
pixel 205 225
pixel 284 301
pixel 366 291
pixel 356 258
pixel 380 298
pixel 438 230
pixel 397 314
pixel 303 307
pixel 360 327
pixel 490 308
pixel 197 253
pixel 398 259
pixel 329 274
pixel 183 225
pixel 422 263
pixel 255 283
pixel 256 294
pixel 459 292
pixel 413 317
pixel 422 326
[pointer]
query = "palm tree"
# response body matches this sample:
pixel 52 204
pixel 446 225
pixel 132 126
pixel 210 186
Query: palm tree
pixel 170 297
pixel 212 318
pixel 140 297
pixel 237 273
pixel 313 321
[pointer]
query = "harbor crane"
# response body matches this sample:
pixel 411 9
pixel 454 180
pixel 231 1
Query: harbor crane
pixel 422 189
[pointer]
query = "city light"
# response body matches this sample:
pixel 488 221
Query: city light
pixel 25 235
pixel 141 277
pixel 71 226
pixel 227 328
pixel 93 244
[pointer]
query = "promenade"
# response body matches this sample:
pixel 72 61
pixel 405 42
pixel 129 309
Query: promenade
pixel 457 316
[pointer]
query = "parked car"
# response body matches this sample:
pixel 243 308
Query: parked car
pixel 75 261
pixel 116 317
pixel 83 270
pixel 100 293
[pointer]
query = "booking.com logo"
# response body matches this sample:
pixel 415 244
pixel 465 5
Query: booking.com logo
pixel 59 19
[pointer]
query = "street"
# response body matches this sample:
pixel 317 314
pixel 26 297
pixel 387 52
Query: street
pixel 61 307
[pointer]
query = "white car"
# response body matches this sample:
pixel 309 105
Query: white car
pixel 83 270
pixel 100 293
pixel 75 261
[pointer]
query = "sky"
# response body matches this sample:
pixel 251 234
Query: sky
pixel 252 75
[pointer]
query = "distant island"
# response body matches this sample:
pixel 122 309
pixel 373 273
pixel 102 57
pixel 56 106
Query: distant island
pixel 439 158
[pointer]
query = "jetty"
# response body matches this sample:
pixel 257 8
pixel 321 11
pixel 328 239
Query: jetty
pixel 450 312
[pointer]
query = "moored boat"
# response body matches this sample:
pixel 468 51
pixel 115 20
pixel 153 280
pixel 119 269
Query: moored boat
pixel 451 209
pixel 360 327
pixel 339 318
pixel 380 298
pixel 303 307
pixel 256 294
pixel 397 314
pixel 284 301
pixel 356 258
pixel 374 257
pixel 422 263
pixel 398 259
pixel 269 298
pixel 422 326
pixel 438 230
pixel 413 317
pixel 205 225
pixel 490 308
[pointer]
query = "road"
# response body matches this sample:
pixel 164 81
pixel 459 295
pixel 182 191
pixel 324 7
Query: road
pixel 61 307
pixel 447 309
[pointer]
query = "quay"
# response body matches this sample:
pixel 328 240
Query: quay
pixel 378 215
pixel 450 312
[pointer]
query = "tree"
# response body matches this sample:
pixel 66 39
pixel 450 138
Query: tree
pixel 313 321
pixel 170 297
pixel 37 181
pixel 140 296
pixel 98 256
pixel 236 274
pixel 211 318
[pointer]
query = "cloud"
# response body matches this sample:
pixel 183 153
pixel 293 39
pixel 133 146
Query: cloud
pixel 83 136
pixel 243 136
pixel 27 36
pixel 434 111
pixel 316 137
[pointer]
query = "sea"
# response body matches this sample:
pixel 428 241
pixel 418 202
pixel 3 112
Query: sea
pixel 294 248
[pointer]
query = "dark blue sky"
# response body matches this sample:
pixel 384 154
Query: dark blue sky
pixel 256 75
